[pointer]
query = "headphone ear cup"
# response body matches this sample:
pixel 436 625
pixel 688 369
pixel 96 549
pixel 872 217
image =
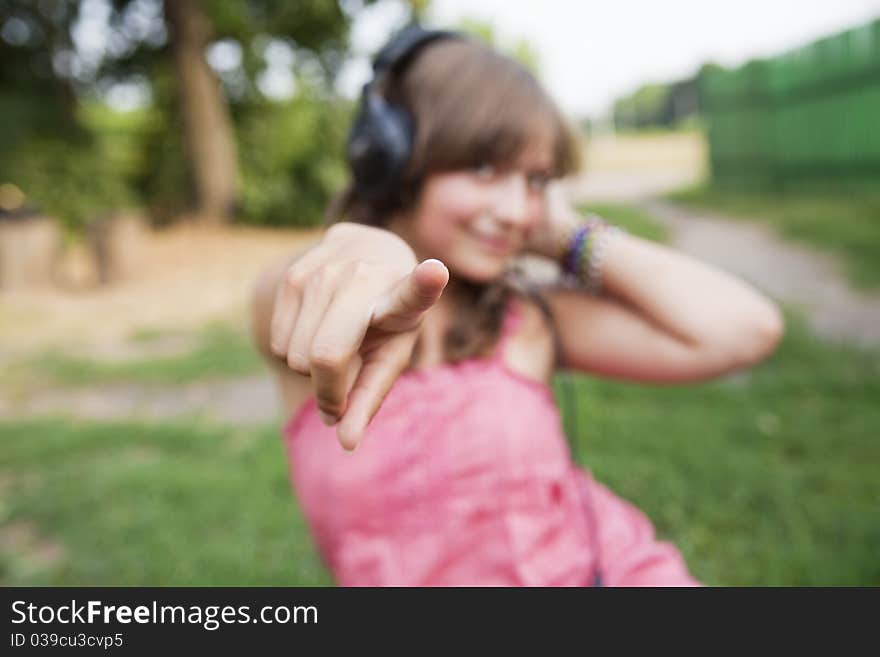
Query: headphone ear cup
pixel 379 144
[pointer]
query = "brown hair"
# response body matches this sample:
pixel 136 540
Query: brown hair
pixel 471 106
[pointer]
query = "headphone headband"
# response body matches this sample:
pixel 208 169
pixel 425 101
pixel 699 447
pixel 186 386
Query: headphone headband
pixel 403 47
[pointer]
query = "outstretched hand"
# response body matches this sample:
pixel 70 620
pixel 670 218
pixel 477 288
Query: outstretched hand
pixel 347 315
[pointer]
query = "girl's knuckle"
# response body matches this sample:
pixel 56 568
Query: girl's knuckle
pixel 360 271
pixel 332 270
pixel 320 281
pixel 327 357
pixel 296 278
pixel 338 229
pixel 329 406
pixel 297 363
pixel 274 344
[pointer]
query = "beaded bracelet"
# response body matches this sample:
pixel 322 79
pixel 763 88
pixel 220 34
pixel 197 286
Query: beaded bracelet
pixel 585 252
pixel 594 275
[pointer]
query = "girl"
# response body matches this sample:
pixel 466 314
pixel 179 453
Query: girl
pixel 414 358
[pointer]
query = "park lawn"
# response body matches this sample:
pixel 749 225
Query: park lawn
pixel 847 226
pixel 218 350
pixel 629 217
pixel 766 477
pixel 125 504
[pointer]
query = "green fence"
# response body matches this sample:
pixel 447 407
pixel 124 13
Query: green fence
pixel 805 119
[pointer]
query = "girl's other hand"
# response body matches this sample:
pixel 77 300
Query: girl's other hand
pixel 559 219
pixel 347 314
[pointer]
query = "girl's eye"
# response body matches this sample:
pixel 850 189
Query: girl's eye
pixel 485 171
pixel 538 181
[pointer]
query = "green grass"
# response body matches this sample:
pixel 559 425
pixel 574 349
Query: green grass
pixel 764 478
pixel 166 504
pixel 220 351
pixel 631 218
pixel 768 477
pixel 847 226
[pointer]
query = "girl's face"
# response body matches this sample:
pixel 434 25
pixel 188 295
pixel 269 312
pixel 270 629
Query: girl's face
pixel 475 221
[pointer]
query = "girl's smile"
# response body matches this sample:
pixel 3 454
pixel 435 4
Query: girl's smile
pixel 476 220
pixel 494 243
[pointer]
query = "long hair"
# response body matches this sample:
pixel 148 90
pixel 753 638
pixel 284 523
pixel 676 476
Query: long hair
pixel 471 106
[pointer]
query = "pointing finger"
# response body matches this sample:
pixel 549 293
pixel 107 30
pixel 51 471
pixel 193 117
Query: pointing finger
pixel 402 308
pixel 376 377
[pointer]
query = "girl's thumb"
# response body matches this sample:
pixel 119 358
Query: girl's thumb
pixel 402 308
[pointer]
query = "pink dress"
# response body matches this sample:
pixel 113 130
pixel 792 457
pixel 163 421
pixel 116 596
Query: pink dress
pixel 464 477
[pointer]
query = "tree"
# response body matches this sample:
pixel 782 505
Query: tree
pixel 520 50
pixel 44 148
pixel 210 142
pixel 316 30
pixel 155 42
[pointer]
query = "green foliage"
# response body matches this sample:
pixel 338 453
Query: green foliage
pixel 642 107
pixel 674 105
pixel 631 218
pixel 164 181
pixel 479 29
pixel 63 170
pixel 77 164
pixel 312 24
pixel 291 159
pixel 520 50
pixel 70 180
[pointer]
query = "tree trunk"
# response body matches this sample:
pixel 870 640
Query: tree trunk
pixel 207 127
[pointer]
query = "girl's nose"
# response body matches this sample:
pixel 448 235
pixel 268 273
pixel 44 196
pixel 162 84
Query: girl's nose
pixel 512 198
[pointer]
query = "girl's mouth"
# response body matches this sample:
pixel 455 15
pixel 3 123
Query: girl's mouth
pixel 494 244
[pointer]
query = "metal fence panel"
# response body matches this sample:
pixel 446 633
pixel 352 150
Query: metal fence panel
pixel 808 115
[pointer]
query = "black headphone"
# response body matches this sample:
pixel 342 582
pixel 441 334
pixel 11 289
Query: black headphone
pixel 382 134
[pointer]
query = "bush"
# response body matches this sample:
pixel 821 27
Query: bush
pixel 60 165
pixel 69 180
pixel 291 158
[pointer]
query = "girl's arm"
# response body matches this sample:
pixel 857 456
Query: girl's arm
pixel 667 317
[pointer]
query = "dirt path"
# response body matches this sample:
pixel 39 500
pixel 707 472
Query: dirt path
pixel 792 273
pixel 243 401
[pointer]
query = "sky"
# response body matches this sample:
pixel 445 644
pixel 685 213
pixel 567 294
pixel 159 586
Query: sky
pixel 591 53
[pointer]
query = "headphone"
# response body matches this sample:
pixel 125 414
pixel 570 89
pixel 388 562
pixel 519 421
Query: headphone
pixel 381 137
